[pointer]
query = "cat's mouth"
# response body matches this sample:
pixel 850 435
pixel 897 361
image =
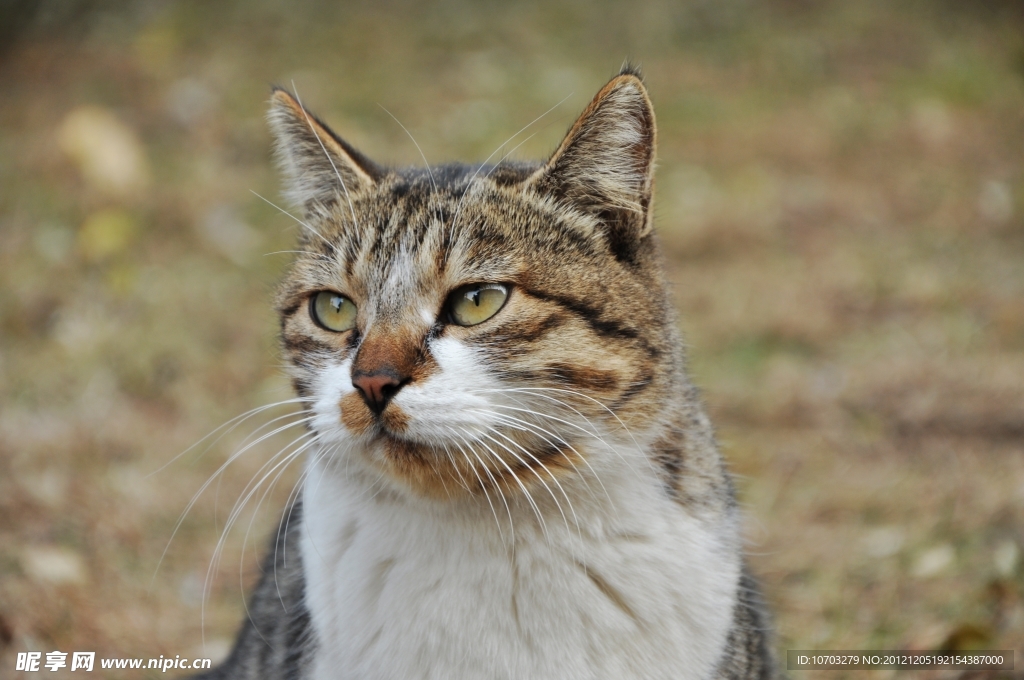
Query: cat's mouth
pixel 473 467
pixel 360 420
pixel 505 461
pixel 388 428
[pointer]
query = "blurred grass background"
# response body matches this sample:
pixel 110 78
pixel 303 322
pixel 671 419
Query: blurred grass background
pixel 840 196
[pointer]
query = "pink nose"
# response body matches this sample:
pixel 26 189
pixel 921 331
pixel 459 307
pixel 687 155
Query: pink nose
pixel 377 388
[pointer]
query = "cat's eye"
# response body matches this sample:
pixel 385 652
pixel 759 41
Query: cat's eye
pixel 476 303
pixel 333 311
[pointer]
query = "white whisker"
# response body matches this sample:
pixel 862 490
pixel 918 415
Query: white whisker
pixel 216 475
pixel 241 560
pixel 351 207
pixel 236 510
pixel 526 492
pixel 239 418
pixel 540 478
pixel 534 390
pixel 483 486
pixel 319 256
pixel 455 466
pixel 591 399
pixel 304 224
pixel 551 439
pixel 469 184
pixel 430 173
pixel 283 528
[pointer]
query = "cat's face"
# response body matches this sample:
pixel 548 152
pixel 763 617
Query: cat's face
pixel 469 328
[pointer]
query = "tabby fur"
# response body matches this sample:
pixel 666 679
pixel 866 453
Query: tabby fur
pixel 542 495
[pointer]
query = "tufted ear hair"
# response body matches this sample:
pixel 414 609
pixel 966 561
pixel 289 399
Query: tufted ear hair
pixel 605 164
pixel 320 167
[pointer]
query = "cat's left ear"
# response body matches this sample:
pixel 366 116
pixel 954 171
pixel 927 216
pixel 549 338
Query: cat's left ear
pixel 605 164
pixel 319 166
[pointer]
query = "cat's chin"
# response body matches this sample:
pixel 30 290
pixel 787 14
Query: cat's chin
pixel 421 468
pixel 468 469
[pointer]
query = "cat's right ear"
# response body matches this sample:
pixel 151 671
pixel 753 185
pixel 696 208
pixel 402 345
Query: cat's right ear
pixel 319 166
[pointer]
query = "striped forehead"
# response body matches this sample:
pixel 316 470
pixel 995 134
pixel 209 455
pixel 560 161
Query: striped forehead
pixel 416 236
pixel 407 236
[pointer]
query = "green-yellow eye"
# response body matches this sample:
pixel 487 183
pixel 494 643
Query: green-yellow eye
pixel 476 303
pixel 333 311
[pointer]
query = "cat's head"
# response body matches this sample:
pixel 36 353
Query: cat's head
pixel 470 327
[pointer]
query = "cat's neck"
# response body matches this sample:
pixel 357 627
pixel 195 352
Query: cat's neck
pixel 591 497
pixel 604 561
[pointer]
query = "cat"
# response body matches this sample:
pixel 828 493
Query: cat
pixel 513 476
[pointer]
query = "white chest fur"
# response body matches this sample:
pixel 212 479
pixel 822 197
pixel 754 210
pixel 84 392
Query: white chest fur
pixel 626 585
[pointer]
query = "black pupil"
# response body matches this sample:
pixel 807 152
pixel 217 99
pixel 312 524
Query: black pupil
pixel 336 302
pixel 474 296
